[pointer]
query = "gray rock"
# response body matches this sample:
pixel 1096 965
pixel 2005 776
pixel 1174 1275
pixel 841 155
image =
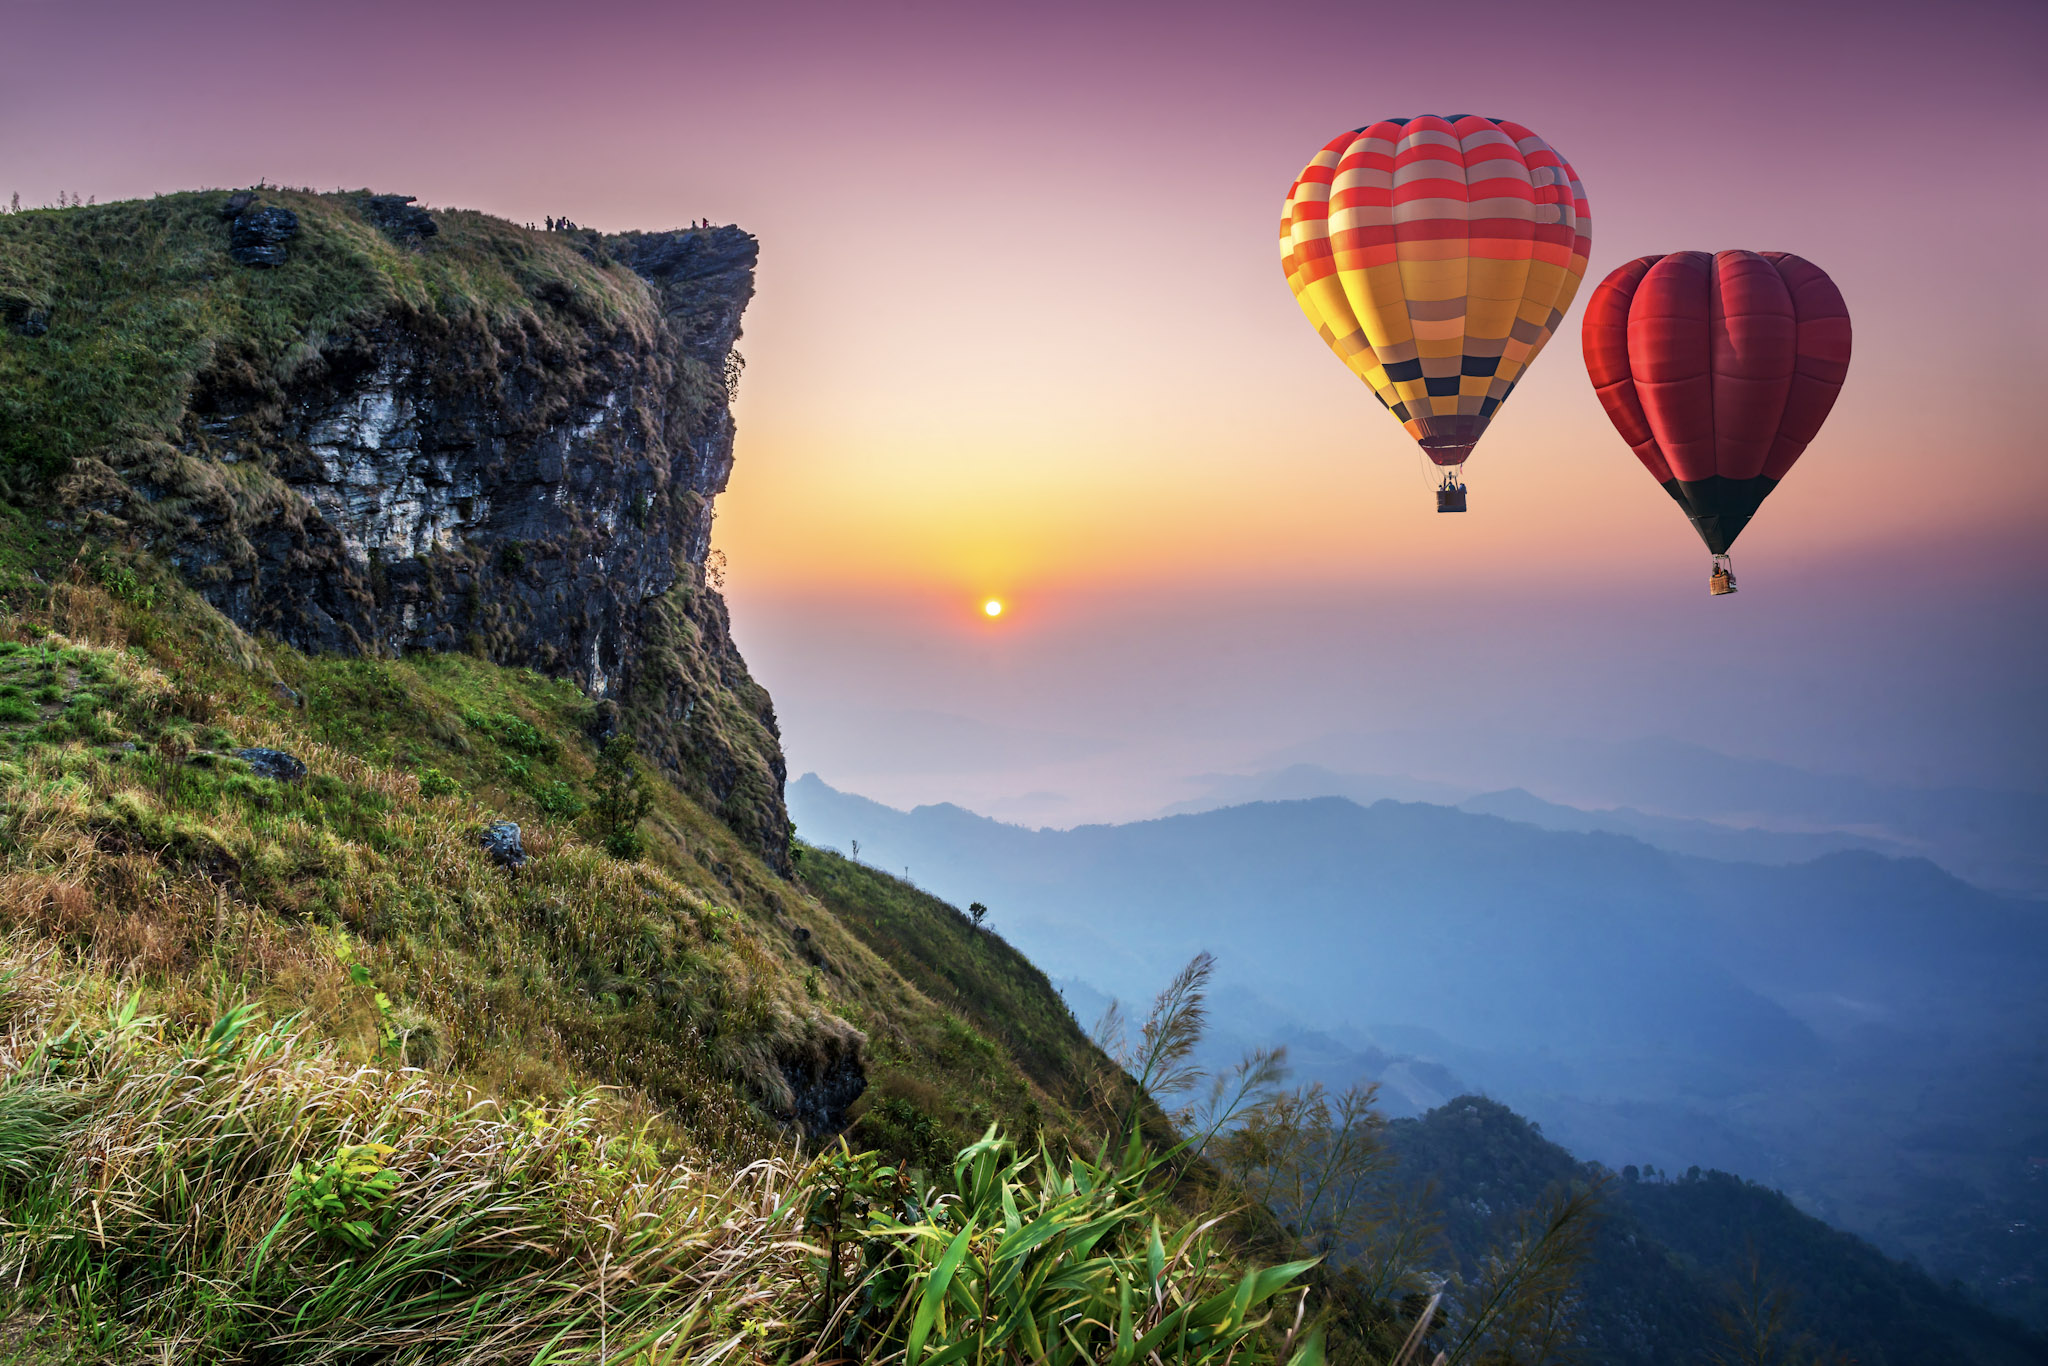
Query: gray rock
pixel 273 763
pixel 238 204
pixel 395 217
pixel 501 841
pixel 28 321
pixel 257 238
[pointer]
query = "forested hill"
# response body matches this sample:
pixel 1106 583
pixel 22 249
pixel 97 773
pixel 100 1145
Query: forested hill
pixel 1698 1268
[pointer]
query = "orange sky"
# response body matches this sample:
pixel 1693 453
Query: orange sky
pixel 1076 362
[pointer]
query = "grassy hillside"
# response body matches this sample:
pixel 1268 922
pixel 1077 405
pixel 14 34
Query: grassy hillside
pixel 999 1005
pixel 136 844
pixel 292 1070
pixel 691 998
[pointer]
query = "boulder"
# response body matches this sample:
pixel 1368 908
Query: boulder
pixel 257 238
pixel 501 841
pixel 273 763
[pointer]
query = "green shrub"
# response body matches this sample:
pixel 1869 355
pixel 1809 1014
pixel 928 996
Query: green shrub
pixel 1028 1260
pixel 124 585
pixel 521 735
pixel 558 800
pixel 346 1198
pixel 435 783
pixel 623 799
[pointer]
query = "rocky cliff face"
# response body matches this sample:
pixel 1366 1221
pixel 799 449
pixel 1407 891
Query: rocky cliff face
pixel 528 477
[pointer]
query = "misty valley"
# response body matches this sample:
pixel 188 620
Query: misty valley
pixel 1865 1033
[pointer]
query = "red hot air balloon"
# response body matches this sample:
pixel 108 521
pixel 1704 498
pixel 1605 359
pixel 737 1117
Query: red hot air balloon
pixel 1718 370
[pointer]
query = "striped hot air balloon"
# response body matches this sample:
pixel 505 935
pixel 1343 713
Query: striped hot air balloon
pixel 1436 256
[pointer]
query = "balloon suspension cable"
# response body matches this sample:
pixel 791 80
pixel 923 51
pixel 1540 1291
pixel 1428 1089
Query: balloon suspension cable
pixel 1450 491
pixel 1723 580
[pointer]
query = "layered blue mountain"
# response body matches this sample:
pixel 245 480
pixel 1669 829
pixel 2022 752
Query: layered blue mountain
pixel 1656 786
pixel 1868 1034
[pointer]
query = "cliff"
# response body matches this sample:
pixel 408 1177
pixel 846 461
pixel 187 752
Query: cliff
pixel 357 426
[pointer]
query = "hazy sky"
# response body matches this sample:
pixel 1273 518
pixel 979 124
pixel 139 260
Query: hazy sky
pixel 1022 331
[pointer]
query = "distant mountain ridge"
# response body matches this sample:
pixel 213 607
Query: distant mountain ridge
pixel 1678 834
pixel 1985 836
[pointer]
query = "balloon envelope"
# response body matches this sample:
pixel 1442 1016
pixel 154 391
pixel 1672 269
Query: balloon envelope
pixel 1436 256
pixel 1718 371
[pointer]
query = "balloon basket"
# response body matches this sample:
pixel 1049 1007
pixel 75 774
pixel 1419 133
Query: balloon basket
pixel 1723 580
pixel 1450 498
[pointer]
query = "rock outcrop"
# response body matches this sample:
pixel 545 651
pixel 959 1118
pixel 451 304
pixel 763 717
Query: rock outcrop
pixel 258 236
pixel 398 219
pixel 824 1077
pixel 530 477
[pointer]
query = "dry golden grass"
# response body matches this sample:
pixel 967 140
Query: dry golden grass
pixel 171 1182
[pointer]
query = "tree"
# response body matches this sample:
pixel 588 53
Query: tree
pixel 978 913
pixel 1319 1164
pixel 623 799
pixel 1757 1327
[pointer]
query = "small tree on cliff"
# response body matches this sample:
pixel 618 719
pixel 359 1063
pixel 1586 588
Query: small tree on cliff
pixel 623 799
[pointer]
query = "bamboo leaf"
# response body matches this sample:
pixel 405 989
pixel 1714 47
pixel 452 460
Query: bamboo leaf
pixel 929 1307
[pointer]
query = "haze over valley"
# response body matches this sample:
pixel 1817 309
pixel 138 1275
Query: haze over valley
pixel 1864 1031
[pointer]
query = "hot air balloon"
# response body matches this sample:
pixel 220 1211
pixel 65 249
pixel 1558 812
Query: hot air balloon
pixel 1436 256
pixel 1718 370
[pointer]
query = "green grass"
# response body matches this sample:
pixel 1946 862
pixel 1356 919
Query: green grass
pixel 242 1192
pixel 695 979
pixel 143 299
pixel 997 1004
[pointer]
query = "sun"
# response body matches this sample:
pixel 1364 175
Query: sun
pixel 993 607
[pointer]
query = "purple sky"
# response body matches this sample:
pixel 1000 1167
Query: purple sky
pixel 1022 332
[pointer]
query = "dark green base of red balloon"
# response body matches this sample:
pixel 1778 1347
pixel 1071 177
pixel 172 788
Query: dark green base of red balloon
pixel 1720 508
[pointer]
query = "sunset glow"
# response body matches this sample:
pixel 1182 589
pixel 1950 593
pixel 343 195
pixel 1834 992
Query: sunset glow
pixel 1103 394
pixel 992 607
